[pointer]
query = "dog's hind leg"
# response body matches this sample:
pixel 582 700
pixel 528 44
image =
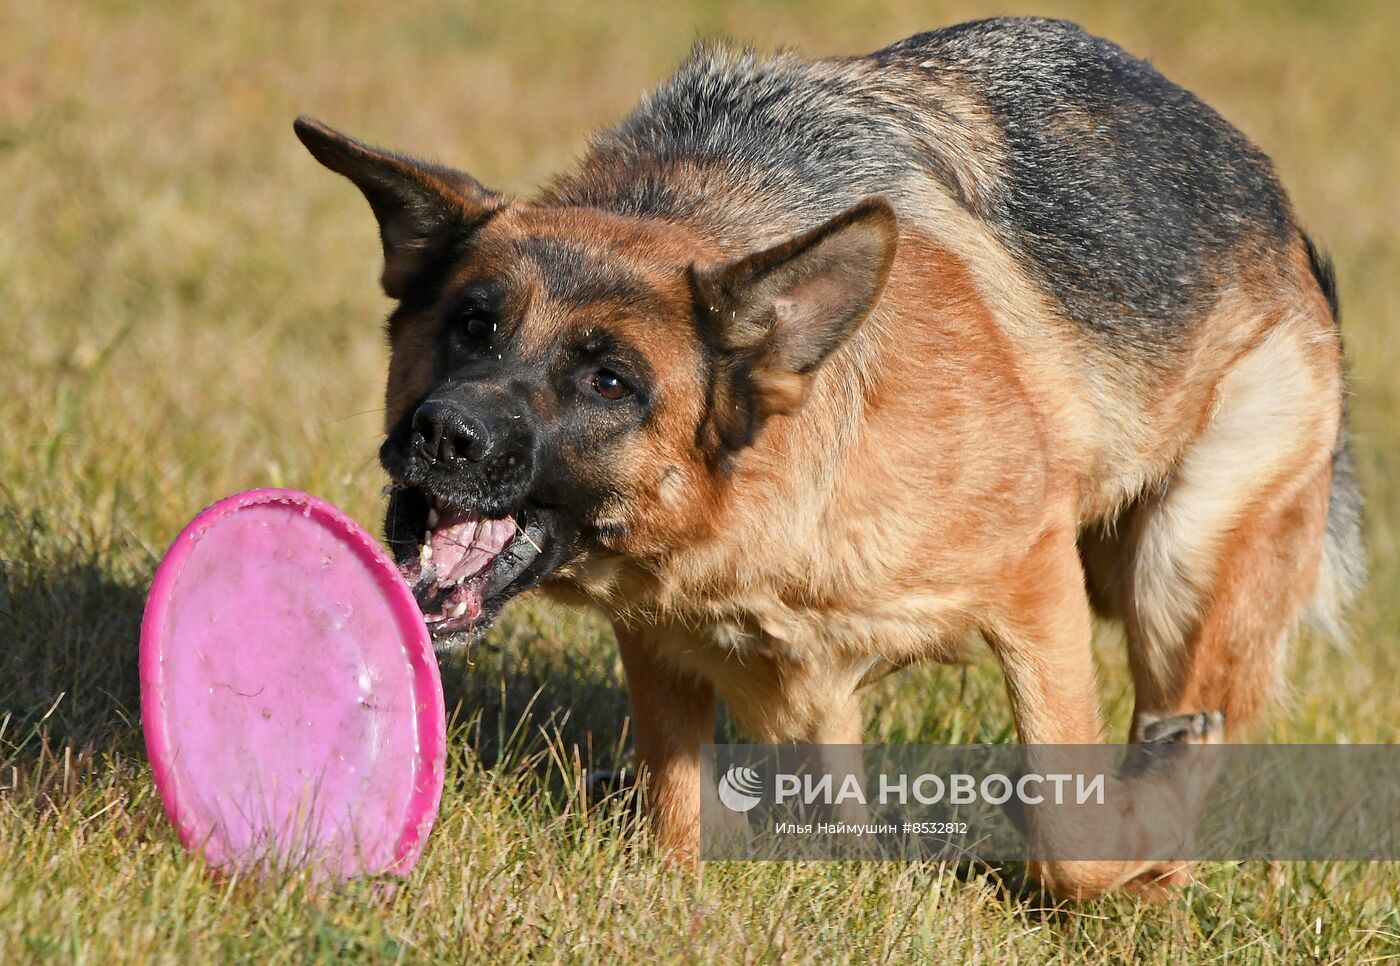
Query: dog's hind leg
pixel 1041 634
pixel 1219 564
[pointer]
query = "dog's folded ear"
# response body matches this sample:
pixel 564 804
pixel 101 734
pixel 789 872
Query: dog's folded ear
pixel 423 209
pixel 771 318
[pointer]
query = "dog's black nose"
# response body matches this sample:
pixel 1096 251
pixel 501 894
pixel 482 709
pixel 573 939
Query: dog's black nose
pixel 443 433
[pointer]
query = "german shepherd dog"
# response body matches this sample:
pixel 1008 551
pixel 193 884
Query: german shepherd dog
pixel 813 370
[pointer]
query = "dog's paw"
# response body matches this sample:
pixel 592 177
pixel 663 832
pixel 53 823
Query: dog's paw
pixel 1161 882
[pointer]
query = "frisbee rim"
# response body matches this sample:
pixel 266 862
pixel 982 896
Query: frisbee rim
pixel 426 682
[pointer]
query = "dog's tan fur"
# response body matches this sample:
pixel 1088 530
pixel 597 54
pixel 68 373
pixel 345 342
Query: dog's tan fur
pixel 987 461
pixel 987 442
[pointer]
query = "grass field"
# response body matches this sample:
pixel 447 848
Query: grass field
pixel 188 307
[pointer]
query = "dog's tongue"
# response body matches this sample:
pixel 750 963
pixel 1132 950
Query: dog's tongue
pixel 463 544
pixel 447 577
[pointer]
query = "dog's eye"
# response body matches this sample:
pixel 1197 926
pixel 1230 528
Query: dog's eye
pixel 610 386
pixel 477 326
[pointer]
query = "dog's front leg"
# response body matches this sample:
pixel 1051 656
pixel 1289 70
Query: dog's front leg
pixel 673 714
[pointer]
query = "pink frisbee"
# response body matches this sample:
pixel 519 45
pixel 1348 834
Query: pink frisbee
pixel 290 698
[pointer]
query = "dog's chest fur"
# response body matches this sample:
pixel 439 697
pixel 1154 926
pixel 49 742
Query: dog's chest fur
pixel 716 625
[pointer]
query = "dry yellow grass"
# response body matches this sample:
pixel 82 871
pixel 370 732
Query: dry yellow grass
pixel 188 307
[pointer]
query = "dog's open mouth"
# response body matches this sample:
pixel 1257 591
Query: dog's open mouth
pixel 467 564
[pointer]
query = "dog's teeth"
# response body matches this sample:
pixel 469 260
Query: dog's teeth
pixel 432 518
pixel 425 554
pixel 458 609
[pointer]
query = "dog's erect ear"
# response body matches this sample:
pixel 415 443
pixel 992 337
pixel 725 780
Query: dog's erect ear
pixel 422 208
pixel 773 317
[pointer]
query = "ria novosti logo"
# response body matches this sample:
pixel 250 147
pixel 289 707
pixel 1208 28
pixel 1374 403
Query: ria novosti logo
pixel 740 788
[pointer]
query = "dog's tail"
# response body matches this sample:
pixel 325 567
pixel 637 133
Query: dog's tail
pixel 1344 551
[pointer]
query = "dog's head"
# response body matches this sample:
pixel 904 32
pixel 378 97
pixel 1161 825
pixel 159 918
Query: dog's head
pixel 565 382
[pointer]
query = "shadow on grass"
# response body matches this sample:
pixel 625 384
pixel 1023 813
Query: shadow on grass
pixel 68 664
pixel 546 678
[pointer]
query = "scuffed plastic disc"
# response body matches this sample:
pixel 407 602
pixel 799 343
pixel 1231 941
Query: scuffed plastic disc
pixel 291 702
